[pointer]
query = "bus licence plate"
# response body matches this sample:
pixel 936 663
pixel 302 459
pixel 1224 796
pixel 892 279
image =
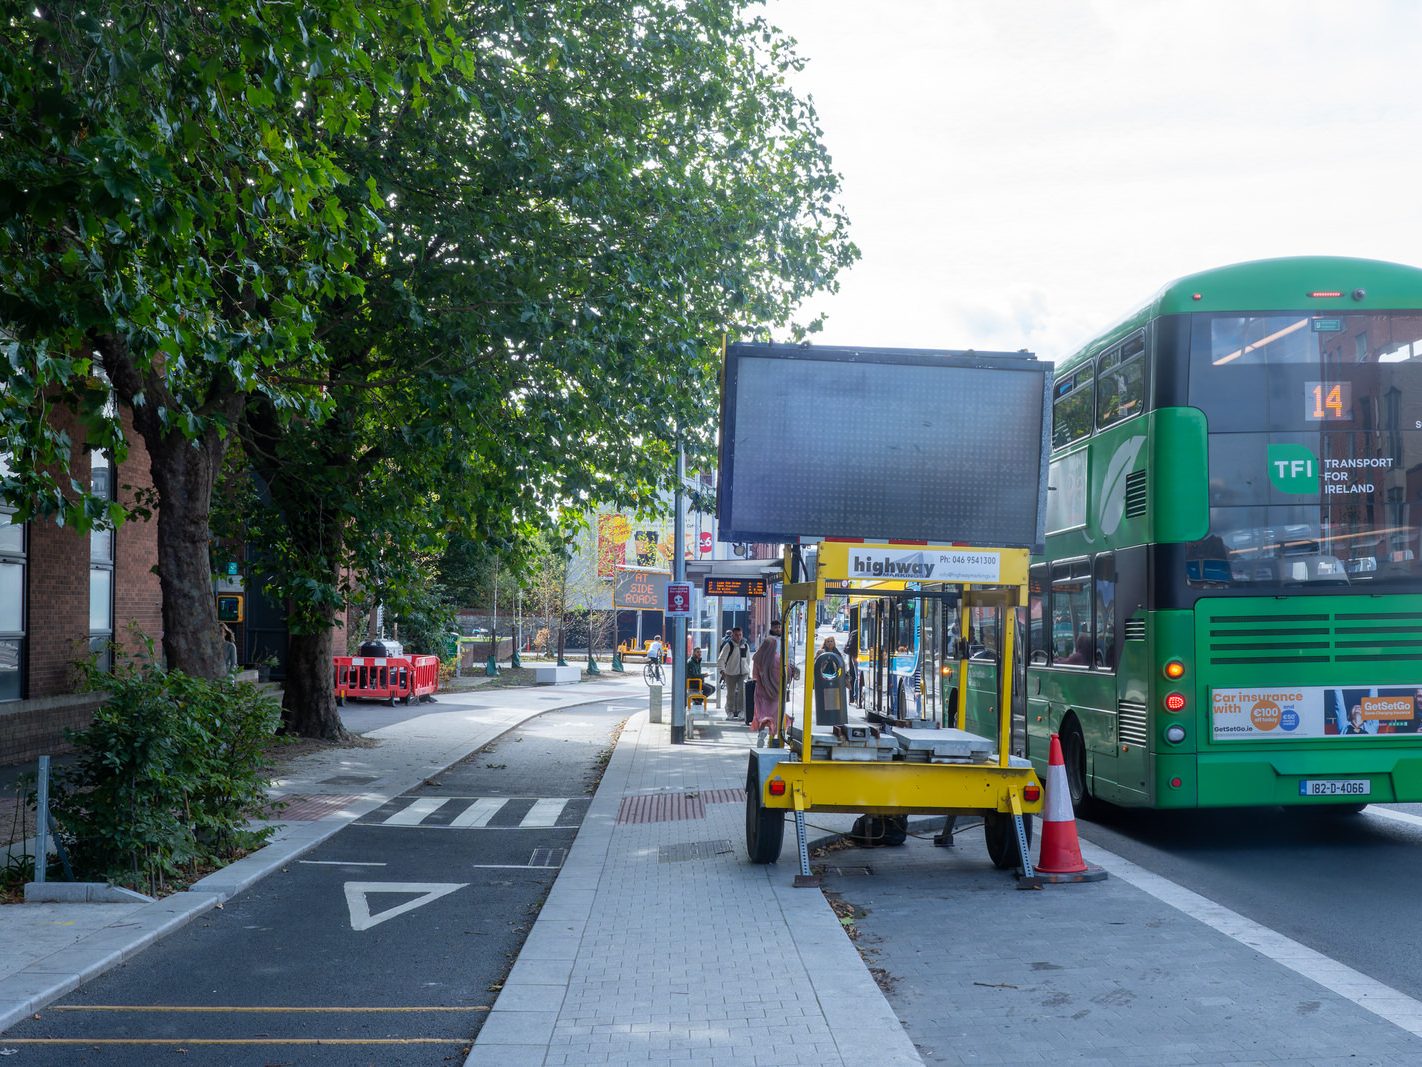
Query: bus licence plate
pixel 1334 787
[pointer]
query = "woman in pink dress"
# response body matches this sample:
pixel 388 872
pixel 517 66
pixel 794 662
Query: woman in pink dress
pixel 765 670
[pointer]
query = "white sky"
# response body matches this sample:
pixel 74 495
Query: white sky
pixel 1023 173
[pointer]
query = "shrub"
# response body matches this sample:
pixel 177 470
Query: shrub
pixel 167 778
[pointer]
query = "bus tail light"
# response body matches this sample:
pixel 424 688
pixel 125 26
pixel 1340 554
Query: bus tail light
pixel 1174 670
pixel 1031 792
pixel 1175 734
pixel 777 787
pixel 1176 783
pixel 1174 701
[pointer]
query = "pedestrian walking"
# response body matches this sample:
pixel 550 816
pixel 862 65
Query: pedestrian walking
pixel 229 650
pixel 733 661
pixel 765 672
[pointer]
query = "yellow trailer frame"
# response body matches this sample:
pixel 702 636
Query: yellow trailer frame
pixel 785 779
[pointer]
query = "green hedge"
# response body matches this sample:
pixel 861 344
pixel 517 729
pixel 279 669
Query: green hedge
pixel 167 778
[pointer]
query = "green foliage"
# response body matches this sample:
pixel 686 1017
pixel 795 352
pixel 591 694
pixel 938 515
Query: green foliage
pixel 424 622
pixel 168 775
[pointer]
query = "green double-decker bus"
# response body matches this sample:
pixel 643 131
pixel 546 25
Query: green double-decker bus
pixel 1229 609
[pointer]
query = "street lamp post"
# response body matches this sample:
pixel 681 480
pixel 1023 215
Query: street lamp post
pixel 678 627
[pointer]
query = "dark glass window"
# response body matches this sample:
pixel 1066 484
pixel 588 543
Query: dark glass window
pixel 1039 647
pixel 1104 585
pixel 12 607
pixel 1072 408
pixel 101 568
pixel 1072 635
pixel 1120 382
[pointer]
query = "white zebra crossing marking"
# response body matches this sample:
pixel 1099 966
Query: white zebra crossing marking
pixel 480 812
pixel 544 813
pixel 416 812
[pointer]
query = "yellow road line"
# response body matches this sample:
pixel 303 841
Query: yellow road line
pixel 229 1009
pixel 236 1041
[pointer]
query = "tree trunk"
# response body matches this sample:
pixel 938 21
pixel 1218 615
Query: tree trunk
pixel 308 707
pixel 183 473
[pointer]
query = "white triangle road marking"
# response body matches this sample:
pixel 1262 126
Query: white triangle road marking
pixel 357 901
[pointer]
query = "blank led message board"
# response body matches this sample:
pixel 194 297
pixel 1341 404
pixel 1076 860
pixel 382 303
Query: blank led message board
pixel 874 443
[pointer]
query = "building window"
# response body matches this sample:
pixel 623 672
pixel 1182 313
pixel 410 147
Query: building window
pixel 12 607
pixel 101 569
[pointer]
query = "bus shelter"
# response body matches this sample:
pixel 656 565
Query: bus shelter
pixel 912 763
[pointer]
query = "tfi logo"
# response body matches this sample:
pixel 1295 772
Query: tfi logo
pixel 1293 469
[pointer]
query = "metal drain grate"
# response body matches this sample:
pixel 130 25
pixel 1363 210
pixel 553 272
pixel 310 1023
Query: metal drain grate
pixel 693 850
pixel 548 857
pixel 350 779
pixel 661 807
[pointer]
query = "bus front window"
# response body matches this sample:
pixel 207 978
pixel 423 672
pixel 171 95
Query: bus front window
pixel 1315 450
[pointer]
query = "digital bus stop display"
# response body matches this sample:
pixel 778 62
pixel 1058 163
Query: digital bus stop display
pixel 883 444
pixel 734 587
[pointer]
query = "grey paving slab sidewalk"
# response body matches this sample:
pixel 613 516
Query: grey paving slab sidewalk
pixel 660 943
pixel 47 950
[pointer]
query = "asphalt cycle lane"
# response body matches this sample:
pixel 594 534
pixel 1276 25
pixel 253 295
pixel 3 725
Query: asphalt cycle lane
pixel 385 945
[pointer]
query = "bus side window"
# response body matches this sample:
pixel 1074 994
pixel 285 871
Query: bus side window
pixel 1120 382
pixel 1072 408
pixel 1072 639
pixel 1104 587
pixel 1037 635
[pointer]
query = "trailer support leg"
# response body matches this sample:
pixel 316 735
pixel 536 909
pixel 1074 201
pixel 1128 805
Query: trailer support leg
pixel 805 879
pixel 1027 879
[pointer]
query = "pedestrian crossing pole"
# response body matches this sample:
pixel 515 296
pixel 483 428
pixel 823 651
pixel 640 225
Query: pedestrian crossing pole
pixel 678 625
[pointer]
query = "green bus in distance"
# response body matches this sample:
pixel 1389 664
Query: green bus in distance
pixel 1229 609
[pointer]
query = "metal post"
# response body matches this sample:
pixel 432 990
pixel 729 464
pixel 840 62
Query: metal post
pixel 42 821
pixel 678 627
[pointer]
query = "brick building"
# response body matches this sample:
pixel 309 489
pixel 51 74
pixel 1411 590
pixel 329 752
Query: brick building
pixel 65 595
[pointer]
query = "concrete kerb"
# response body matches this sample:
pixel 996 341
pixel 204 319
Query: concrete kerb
pixel 47 979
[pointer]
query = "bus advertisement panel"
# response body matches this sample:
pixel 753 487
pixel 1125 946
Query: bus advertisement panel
pixel 1316 711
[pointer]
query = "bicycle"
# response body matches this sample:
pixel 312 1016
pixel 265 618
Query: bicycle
pixel 652 672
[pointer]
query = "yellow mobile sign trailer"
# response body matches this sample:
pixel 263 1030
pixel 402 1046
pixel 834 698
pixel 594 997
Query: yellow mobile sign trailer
pixel 852 765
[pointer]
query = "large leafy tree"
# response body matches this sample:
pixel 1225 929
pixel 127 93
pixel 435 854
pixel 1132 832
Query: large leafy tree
pixel 572 224
pixel 172 214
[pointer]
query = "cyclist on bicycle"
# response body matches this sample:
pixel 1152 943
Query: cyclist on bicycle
pixel 654 651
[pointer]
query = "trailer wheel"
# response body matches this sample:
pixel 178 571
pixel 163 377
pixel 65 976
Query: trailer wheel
pixel 1001 837
pixel 765 827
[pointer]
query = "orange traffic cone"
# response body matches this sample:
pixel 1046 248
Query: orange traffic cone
pixel 1060 859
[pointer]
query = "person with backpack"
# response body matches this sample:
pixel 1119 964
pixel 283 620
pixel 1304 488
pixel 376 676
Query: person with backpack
pixel 733 661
